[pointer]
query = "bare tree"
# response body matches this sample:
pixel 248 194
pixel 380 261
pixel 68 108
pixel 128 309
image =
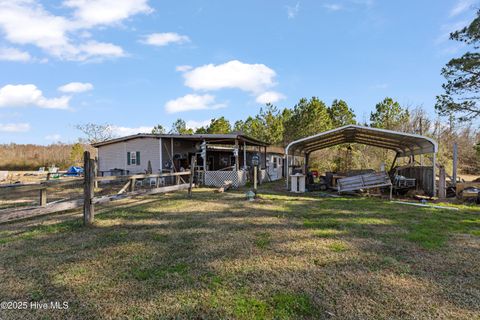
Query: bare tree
pixel 419 121
pixel 96 132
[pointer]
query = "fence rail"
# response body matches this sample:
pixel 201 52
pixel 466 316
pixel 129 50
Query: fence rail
pixel 89 199
pixel 23 187
pixel 141 176
pixel 7 215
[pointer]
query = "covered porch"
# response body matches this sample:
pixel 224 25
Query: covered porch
pixel 218 157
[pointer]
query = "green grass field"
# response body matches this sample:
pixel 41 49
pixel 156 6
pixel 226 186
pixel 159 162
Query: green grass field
pixel 219 256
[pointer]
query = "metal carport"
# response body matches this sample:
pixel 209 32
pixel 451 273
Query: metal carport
pixel 404 144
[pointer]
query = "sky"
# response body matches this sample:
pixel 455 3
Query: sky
pixel 138 63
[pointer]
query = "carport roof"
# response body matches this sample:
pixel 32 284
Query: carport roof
pixel 405 144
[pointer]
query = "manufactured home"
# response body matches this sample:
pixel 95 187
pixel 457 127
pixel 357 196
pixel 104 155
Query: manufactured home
pixel 219 157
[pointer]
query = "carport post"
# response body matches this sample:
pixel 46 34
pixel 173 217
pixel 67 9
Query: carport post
pixel 434 189
pixel 307 158
pixel 286 164
pixel 286 167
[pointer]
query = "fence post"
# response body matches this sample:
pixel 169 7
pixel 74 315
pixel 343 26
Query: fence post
pixel 88 189
pixel 95 169
pixel 131 187
pixel 43 197
pixel 192 174
pixel 455 164
pixel 442 192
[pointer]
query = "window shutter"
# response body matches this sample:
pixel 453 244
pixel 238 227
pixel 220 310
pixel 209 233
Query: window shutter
pixel 138 158
pixel 128 158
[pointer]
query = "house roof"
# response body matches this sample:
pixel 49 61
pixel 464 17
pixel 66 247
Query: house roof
pixel 405 144
pixel 213 138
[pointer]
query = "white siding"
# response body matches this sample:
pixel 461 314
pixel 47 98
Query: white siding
pixel 114 155
pixel 111 156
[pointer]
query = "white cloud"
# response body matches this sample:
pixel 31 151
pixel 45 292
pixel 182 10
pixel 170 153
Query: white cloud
pixel 94 49
pixel 14 127
pixel 367 3
pixel 12 54
pixel 380 86
pixel 53 137
pixel 29 95
pixel 26 22
pixel 448 28
pixel 461 6
pixel 90 13
pixel 333 6
pixel 127 131
pixel 76 87
pixel 292 12
pixel 270 97
pixel 192 102
pixel 254 78
pixel 164 39
pixel 183 68
pixel 450 47
pixel 193 124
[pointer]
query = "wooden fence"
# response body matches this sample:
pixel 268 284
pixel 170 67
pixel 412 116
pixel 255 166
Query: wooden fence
pixel 88 201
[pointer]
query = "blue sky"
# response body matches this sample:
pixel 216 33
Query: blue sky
pixel 138 63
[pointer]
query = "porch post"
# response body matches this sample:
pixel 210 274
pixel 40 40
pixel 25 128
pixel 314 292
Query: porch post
pixel 265 157
pixel 244 154
pixel 161 154
pixel 171 154
pixel 205 159
pixel 236 155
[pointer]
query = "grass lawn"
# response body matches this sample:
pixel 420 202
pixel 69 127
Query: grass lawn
pixel 219 256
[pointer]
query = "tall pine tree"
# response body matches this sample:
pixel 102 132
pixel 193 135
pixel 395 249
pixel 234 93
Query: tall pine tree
pixel 462 77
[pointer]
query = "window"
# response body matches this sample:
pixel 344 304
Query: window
pixel 133 158
pixel 275 162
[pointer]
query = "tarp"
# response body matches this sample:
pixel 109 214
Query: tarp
pixel 74 171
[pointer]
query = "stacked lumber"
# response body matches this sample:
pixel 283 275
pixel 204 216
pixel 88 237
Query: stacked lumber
pixel 226 185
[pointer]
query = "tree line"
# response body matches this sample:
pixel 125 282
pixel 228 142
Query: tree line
pixel 30 157
pixel 310 116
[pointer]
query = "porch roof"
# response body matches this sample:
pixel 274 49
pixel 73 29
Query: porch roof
pixel 211 138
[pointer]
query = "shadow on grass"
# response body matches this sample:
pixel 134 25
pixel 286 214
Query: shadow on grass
pixel 186 258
